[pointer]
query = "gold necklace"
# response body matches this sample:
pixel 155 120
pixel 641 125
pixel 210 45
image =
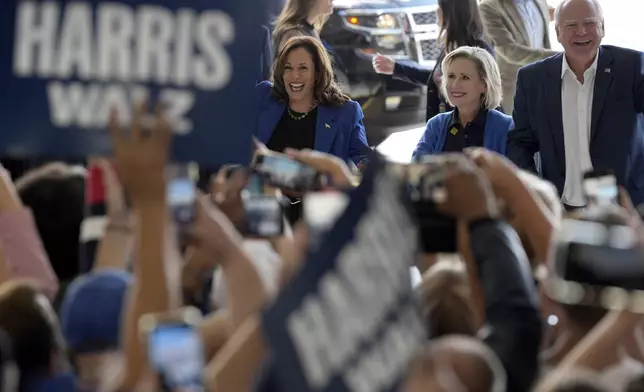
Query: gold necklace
pixel 297 116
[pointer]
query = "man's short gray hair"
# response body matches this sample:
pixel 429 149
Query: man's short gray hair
pixel 598 8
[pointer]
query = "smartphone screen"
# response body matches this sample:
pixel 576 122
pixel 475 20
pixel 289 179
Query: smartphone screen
pixel 263 212
pixel 426 183
pixel 264 217
pixel 176 353
pixel 254 186
pixel 321 210
pixel 181 196
pixel 600 188
pixel 283 172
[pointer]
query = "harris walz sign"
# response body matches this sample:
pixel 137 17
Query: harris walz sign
pixel 349 322
pixel 65 64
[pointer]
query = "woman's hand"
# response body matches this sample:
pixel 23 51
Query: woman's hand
pixel 383 64
pixel 141 155
pixel 259 147
pixel 499 170
pixel 214 233
pixel 625 202
pixel 225 192
pixel 469 192
pixel 326 164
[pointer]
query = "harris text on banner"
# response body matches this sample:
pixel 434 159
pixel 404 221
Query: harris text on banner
pixel 64 64
pixel 349 320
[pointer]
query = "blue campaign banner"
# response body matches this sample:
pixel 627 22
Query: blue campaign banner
pixel 64 64
pixel 349 322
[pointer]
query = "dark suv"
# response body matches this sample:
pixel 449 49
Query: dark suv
pixel 402 29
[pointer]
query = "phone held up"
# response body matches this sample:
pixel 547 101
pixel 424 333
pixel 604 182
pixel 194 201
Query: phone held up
pixel 283 172
pixel 598 264
pixel 264 216
pixel 425 187
pixel 600 187
pixel 175 348
pixel 181 195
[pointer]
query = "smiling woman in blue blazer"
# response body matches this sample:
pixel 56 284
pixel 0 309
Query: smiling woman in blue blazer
pixel 303 107
pixel 471 83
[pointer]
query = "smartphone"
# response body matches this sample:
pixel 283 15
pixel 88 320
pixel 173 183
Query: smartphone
pixel 181 196
pixel 280 171
pixel 320 211
pixel 598 264
pixel 175 349
pixel 426 182
pixel 255 186
pixel 230 170
pixel 264 214
pixel 425 187
pixel 600 187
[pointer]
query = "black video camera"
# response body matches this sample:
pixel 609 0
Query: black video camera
pixel 425 186
pixel 599 264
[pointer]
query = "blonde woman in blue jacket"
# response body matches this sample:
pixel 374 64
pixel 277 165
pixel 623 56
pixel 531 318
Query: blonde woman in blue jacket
pixel 471 82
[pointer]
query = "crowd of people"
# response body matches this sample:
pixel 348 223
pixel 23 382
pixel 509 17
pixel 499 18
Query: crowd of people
pixel 517 217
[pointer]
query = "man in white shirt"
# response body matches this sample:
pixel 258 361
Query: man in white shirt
pixel 576 109
pixel 583 109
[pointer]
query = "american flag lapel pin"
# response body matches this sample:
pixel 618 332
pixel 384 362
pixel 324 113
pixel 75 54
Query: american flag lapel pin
pixel 607 70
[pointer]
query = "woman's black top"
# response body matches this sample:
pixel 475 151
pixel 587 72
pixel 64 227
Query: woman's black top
pixel 298 134
pixel 292 133
pixel 460 136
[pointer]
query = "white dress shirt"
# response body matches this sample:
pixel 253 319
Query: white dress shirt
pixel 533 21
pixel 576 110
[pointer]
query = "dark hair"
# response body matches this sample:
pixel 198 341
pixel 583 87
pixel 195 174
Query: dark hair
pixel 636 384
pixel 57 200
pixel 462 23
pixel 326 91
pixel 32 328
pixel 444 296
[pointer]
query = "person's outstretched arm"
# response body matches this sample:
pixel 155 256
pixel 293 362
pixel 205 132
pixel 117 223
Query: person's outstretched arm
pixel 512 324
pixel 411 72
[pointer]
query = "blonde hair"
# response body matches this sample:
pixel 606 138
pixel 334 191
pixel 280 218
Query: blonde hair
pixel 445 300
pixel 296 12
pixel 488 71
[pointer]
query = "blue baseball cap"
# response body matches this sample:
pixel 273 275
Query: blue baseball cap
pixel 90 315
